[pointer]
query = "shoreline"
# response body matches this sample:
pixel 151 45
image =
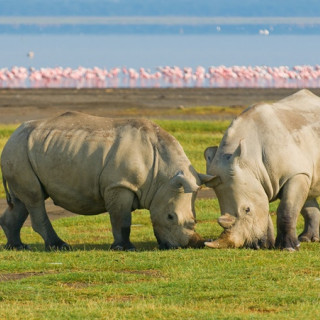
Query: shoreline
pixel 18 105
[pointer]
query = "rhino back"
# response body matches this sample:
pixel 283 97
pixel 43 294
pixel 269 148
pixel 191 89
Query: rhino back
pixel 73 152
pixel 281 138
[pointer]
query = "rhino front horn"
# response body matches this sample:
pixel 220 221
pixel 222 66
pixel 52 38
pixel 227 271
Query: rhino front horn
pixel 217 244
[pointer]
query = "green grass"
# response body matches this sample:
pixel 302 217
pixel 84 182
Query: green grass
pixel 92 282
pixel 195 137
pixel 5 132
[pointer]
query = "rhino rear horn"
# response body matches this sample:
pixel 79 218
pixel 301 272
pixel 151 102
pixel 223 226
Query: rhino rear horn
pixel 209 154
pixel 180 180
pixel 240 152
pixel 226 221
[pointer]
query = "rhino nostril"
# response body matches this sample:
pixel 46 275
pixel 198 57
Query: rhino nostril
pixel 170 217
pixel 190 225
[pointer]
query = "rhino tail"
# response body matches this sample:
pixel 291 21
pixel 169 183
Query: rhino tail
pixel 8 195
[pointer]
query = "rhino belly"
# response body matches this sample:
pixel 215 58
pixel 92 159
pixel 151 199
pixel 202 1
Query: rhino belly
pixel 77 203
pixel 74 192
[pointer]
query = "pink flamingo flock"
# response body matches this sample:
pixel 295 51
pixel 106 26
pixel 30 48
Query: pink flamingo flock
pixel 215 76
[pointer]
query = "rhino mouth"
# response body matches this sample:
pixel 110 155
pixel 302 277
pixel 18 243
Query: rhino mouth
pixel 224 243
pixel 164 245
pixel 195 242
pixel 263 243
pixel 234 236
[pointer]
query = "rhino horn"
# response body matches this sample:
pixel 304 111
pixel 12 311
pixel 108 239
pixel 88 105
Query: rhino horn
pixel 241 151
pixel 226 221
pixel 180 180
pixel 218 244
pixel 209 154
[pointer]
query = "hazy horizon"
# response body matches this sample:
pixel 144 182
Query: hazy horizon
pixel 159 17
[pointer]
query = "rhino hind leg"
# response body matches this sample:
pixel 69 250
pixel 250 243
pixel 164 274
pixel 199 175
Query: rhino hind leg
pixel 31 200
pixel 11 222
pixel 119 204
pixel 42 225
pixel 311 214
pixel 293 197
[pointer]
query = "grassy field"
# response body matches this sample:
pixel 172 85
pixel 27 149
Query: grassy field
pixel 5 132
pixel 92 282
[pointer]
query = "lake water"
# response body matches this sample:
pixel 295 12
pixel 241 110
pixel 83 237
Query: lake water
pixel 150 51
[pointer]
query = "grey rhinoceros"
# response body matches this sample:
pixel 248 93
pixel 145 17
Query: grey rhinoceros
pixel 90 165
pixel 271 151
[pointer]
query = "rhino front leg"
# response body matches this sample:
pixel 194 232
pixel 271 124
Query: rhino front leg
pixel 11 222
pixel 293 197
pixel 311 214
pixel 119 206
pixel 42 225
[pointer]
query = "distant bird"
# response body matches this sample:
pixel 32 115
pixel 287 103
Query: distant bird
pixel 30 54
pixel 299 76
pixel 264 32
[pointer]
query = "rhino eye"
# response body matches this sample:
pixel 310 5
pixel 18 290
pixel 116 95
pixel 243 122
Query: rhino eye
pixel 247 210
pixel 170 217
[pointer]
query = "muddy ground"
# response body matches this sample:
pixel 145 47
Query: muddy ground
pixel 17 105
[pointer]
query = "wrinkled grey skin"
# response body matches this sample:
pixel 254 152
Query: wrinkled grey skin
pixel 90 165
pixel 270 151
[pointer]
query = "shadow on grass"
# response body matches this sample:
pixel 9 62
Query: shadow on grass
pixel 140 247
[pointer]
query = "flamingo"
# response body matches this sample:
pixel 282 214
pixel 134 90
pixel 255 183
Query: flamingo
pixel 215 76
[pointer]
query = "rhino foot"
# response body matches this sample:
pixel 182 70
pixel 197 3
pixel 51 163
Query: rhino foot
pixel 291 249
pixel 306 237
pixel 123 247
pixel 287 244
pixel 60 246
pixel 18 247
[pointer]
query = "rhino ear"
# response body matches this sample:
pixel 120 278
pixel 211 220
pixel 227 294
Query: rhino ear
pixel 209 154
pixel 180 181
pixel 209 181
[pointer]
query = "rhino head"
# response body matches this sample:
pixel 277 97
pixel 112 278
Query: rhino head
pixel 173 214
pixel 243 201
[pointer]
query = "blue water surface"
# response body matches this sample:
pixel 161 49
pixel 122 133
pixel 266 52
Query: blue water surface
pixel 151 51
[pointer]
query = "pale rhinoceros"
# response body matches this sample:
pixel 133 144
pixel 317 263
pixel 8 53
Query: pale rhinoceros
pixel 271 151
pixel 90 165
